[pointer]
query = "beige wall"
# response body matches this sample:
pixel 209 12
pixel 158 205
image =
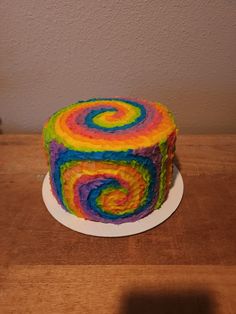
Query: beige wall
pixel 59 51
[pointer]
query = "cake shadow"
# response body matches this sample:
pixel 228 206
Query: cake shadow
pixel 169 302
pixel 1 130
pixel 178 165
pixel 177 162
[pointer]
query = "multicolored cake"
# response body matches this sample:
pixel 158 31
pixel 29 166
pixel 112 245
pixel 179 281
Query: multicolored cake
pixel 111 159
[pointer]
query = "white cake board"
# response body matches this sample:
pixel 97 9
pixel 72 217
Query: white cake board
pixel 112 230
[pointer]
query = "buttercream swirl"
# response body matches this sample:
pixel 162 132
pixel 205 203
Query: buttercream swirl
pixel 110 159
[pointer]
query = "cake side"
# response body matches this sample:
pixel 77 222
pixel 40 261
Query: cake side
pixel 111 160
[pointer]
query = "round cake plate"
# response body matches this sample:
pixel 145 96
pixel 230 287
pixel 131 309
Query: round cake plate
pixel 113 230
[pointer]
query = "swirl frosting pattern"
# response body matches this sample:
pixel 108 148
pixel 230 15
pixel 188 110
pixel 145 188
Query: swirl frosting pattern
pixel 110 159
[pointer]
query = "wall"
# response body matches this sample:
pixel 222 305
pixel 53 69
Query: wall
pixel 180 53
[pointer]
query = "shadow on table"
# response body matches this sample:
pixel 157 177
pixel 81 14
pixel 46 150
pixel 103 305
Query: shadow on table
pixel 178 165
pixel 177 162
pixel 171 302
pixel 1 131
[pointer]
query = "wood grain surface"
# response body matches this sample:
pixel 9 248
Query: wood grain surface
pixel 48 268
pixel 118 289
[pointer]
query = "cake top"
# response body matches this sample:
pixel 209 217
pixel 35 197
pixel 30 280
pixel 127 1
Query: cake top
pixel 104 124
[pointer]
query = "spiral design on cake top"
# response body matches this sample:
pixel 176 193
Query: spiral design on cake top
pixel 110 159
pixel 99 124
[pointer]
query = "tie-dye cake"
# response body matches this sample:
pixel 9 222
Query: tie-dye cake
pixel 111 159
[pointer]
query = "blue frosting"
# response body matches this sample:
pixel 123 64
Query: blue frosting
pixel 89 118
pixel 95 193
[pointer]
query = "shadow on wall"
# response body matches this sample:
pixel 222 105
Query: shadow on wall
pixel 171 302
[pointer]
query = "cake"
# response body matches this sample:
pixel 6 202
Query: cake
pixel 110 159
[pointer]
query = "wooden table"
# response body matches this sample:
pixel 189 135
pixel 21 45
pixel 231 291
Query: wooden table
pixel 185 265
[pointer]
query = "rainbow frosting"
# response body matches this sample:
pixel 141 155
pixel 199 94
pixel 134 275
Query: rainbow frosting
pixel 111 159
